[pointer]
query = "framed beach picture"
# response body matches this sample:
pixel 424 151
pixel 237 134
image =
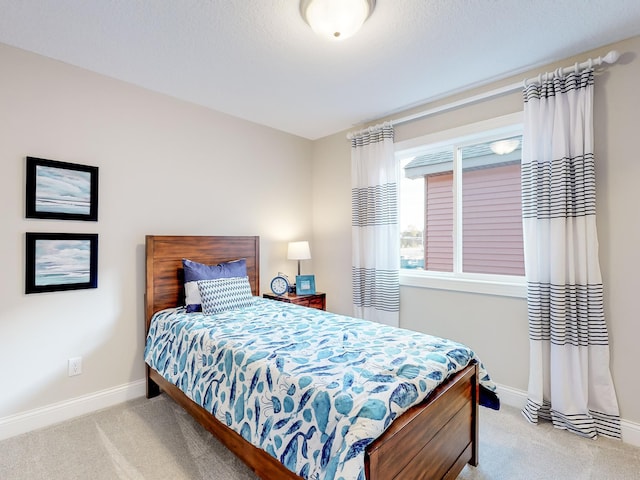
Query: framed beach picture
pixel 305 284
pixel 61 261
pixel 61 190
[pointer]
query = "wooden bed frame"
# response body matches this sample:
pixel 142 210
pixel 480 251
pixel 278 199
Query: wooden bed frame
pixel 432 440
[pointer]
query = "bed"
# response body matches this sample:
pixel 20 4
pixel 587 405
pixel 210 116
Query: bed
pixel 432 439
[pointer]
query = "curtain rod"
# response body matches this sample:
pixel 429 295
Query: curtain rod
pixel 611 57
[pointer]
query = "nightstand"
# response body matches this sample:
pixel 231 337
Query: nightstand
pixel 316 300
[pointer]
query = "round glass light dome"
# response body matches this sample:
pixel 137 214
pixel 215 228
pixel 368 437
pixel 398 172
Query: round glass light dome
pixel 336 19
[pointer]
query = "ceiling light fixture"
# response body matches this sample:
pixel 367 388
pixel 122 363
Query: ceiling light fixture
pixel 336 19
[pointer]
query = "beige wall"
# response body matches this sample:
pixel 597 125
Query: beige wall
pixel 166 167
pixel 496 327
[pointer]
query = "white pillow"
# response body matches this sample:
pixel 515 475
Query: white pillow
pixel 223 294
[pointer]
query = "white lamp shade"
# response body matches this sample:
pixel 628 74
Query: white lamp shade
pixel 299 251
pixel 336 19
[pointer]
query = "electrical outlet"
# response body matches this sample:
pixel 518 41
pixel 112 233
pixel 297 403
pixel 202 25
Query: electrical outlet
pixel 75 366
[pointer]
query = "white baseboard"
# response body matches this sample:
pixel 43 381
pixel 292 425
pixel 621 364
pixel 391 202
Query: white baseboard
pixel 59 412
pixel 518 399
pixel 512 396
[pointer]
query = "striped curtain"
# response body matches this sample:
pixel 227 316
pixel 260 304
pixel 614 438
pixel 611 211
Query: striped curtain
pixel 375 228
pixel 569 379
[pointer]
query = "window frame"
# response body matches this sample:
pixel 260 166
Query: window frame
pixel 504 285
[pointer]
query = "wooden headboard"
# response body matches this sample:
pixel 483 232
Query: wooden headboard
pixel 164 273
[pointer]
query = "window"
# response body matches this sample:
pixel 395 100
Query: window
pixel 460 208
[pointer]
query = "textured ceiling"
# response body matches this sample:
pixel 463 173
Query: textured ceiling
pixel 258 60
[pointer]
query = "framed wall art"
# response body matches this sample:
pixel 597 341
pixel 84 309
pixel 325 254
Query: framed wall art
pixel 61 261
pixel 61 190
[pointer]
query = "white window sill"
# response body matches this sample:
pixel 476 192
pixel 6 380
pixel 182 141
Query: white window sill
pixel 488 285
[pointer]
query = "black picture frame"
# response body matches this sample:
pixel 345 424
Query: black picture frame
pixel 305 284
pixel 61 190
pixel 60 261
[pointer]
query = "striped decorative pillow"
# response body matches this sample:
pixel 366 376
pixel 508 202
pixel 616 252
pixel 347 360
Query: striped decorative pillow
pixel 223 294
pixel 194 271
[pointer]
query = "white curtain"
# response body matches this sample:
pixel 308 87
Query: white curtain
pixel 569 379
pixel 375 229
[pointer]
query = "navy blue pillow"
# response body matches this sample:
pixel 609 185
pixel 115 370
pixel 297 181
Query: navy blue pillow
pixel 194 271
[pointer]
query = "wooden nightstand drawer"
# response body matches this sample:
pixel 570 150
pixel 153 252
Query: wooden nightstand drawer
pixel 316 300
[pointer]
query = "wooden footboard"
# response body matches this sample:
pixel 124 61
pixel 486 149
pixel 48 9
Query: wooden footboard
pixel 433 440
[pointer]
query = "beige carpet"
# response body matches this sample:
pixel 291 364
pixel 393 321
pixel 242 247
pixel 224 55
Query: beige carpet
pixel 155 440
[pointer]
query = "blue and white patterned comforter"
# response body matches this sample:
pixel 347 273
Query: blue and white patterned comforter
pixel 310 387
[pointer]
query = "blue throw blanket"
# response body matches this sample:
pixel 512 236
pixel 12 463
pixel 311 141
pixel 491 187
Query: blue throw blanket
pixel 311 388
